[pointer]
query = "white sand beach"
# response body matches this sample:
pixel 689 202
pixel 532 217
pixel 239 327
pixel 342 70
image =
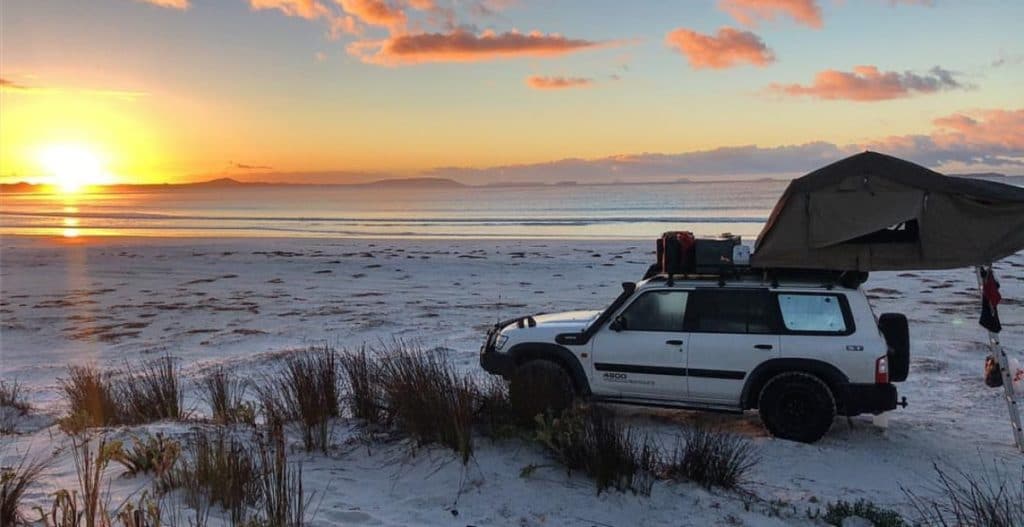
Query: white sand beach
pixel 245 303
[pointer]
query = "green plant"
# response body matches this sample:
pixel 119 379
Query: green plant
pixel 14 482
pixel 838 511
pixel 152 453
pixel 711 458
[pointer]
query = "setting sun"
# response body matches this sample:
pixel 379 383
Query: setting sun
pixel 73 167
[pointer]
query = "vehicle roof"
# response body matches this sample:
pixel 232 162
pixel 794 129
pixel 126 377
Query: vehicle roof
pixel 747 280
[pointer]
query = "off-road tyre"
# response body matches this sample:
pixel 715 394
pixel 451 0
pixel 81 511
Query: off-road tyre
pixel 797 406
pixel 540 387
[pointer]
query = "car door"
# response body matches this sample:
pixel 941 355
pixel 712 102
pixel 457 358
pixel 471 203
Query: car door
pixel 731 332
pixel 641 352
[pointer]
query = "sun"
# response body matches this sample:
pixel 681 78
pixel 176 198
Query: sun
pixel 73 167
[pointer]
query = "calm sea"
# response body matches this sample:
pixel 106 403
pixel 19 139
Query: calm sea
pixel 580 211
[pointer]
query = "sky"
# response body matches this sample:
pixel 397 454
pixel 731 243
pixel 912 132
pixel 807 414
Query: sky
pixel 146 91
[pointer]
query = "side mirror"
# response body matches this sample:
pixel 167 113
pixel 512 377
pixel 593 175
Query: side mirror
pixel 618 324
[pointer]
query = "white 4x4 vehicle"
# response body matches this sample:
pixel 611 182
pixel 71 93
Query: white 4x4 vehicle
pixel 800 350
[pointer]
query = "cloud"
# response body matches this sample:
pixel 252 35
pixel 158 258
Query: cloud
pixel 7 84
pixel 173 4
pixel 538 82
pixel 461 45
pixel 308 9
pixel 988 137
pixel 867 83
pixel 729 47
pixel 243 166
pixel 751 12
pixel 380 13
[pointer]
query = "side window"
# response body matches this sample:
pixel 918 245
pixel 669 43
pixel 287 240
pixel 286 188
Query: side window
pixel 725 311
pixel 812 313
pixel 655 311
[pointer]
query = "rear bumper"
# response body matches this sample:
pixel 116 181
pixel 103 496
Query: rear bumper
pixel 868 398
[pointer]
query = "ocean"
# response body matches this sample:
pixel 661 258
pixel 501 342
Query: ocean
pixel 557 212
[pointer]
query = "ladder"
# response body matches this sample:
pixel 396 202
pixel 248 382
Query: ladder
pixel 1004 368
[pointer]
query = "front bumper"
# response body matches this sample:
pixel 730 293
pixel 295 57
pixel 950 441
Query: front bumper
pixel 868 398
pixel 497 363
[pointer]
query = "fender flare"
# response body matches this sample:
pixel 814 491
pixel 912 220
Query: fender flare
pixel 835 379
pixel 526 351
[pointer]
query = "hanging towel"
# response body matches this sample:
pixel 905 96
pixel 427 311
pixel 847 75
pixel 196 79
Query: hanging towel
pixel 990 299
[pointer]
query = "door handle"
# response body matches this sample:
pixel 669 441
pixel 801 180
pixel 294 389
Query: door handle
pixel 763 346
pixel 674 342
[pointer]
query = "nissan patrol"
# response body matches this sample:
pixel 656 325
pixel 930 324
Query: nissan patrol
pixel 800 349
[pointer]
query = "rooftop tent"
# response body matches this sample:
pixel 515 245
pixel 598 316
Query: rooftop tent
pixel 873 212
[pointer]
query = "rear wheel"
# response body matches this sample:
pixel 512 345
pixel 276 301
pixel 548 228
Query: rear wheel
pixel 797 406
pixel 539 387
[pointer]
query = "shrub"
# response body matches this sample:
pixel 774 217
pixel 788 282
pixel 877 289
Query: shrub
pixel 153 393
pixel 14 482
pixel 91 398
pixel 12 396
pixel 711 458
pixel 218 469
pixel 364 396
pixel 990 499
pixel 226 398
pixel 154 453
pixel 425 398
pixel 306 391
pixel 584 438
pixel 836 512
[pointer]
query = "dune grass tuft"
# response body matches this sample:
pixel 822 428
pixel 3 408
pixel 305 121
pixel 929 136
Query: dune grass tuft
pixel 992 498
pixel 92 399
pixel 711 458
pixel 226 398
pixel 305 391
pixel 14 483
pixel 152 393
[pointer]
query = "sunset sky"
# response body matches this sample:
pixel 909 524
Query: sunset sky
pixel 484 90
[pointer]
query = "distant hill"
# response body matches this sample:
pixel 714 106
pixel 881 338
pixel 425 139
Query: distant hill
pixel 416 182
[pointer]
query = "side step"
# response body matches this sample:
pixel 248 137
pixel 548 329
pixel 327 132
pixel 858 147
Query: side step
pixel 658 403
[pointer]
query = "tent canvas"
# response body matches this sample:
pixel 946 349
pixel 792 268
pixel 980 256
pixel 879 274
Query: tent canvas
pixel 874 212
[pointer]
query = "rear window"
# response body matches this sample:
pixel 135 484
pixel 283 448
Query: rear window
pixel 730 311
pixel 813 313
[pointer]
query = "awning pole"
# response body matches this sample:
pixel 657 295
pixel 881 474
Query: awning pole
pixel 1004 368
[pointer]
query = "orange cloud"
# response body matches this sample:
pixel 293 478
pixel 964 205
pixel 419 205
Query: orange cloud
pixel 750 12
pixel 538 82
pixel 173 4
pixel 463 46
pixel 867 83
pixel 1002 129
pixel 729 47
pixel 308 9
pixel 377 12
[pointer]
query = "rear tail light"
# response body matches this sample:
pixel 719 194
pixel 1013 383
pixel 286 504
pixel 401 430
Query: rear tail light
pixel 882 370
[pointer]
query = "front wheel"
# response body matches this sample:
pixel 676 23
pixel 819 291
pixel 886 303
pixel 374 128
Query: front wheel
pixel 797 406
pixel 540 387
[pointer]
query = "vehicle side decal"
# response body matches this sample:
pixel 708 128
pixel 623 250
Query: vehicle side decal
pixel 667 370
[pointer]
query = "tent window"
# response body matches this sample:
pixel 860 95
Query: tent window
pixel 903 232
